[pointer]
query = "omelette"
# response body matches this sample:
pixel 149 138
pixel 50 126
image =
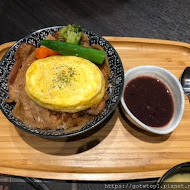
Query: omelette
pixel 65 83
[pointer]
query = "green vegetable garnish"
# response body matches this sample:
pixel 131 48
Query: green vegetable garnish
pixel 71 34
pixel 94 55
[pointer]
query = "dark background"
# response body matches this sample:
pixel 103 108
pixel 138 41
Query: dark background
pixel 162 19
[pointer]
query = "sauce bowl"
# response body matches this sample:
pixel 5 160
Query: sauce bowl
pixel 175 88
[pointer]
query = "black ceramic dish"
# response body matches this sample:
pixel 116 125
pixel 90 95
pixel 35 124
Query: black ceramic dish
pixel 183 167
pixel 116 81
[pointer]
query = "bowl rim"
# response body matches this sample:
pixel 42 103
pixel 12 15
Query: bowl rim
pixel 168 172
pixel 144 126
pixel 78 132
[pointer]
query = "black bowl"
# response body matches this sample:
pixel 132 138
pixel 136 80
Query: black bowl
pixel 116 81
pixel 180 168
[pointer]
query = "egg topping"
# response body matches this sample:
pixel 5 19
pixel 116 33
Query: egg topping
pixel 65 83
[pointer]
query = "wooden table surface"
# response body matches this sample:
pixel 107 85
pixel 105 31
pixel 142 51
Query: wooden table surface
pixel 133 18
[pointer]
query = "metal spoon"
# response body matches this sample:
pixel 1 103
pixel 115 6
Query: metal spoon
pixel 185 81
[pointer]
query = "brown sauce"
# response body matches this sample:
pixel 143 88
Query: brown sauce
pixel 149 100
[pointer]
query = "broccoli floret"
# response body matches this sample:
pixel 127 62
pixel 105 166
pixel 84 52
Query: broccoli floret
pixel 71 34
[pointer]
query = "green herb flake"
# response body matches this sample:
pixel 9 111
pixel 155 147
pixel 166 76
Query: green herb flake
pixel 64 78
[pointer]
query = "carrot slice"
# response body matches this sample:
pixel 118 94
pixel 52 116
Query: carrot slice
pixel 44 52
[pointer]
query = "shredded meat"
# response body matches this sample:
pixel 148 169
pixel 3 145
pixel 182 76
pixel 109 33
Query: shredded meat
pixel 30 113
pixel 25 109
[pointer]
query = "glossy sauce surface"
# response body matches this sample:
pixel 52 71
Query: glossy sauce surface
pixel 149 100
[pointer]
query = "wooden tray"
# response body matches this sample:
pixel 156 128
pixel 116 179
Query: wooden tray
pixel 118 150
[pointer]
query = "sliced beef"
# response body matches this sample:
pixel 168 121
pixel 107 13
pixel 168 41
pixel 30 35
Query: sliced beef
pixel 25 109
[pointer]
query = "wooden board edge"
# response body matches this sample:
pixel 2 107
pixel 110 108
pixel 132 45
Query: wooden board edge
pixel 124 39
pixel 81 176
pixel 6 45
pixel 146 40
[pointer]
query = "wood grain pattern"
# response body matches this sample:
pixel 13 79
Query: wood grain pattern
pixel 115 150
